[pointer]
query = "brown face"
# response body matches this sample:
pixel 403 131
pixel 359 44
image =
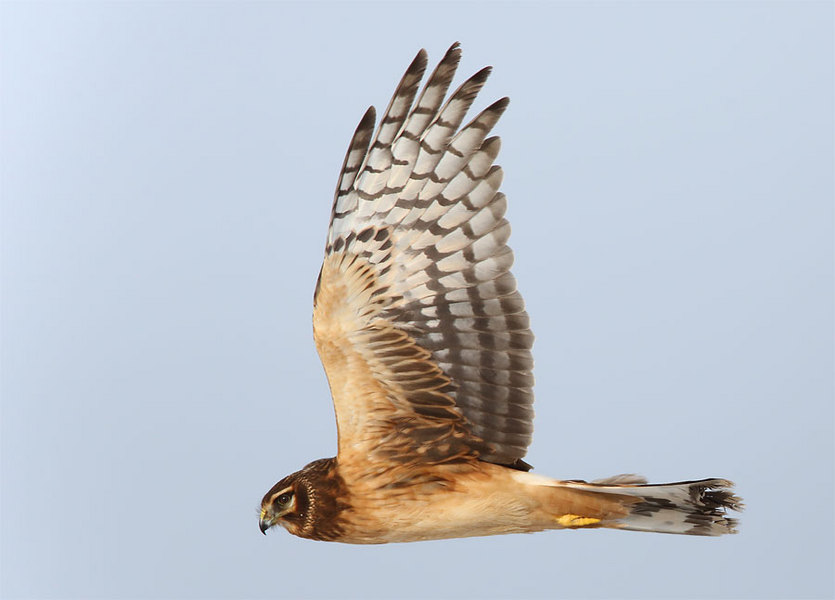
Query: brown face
pixel 308 503
pixel 284 505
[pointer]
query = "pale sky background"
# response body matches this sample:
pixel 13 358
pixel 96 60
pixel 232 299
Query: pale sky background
pixel 167 173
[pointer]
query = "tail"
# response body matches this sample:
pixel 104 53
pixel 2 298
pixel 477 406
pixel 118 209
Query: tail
pixel 685 507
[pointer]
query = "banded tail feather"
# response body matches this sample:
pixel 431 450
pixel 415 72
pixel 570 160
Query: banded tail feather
pixel 683 507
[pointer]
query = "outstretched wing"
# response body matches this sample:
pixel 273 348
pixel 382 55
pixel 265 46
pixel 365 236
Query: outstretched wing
pixel 417 320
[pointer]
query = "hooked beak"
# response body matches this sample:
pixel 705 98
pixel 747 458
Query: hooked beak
pixel 265 522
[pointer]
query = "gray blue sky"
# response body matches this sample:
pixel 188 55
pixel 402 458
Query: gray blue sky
pixel 167 172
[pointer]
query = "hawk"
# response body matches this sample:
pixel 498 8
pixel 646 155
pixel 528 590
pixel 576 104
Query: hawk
pixel 427 349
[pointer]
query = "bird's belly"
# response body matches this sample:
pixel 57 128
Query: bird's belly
pixel 475 508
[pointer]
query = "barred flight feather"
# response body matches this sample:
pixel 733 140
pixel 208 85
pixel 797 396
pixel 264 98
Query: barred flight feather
pixel 417 205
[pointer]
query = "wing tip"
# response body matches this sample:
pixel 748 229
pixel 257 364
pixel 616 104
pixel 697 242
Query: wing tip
pixel 368 119
pixel 499 105
pixel 418 63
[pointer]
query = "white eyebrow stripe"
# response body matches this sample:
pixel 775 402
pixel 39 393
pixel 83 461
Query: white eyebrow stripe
pixel 284 491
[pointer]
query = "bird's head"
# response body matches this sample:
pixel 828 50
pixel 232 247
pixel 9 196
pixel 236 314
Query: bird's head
pixel 307 503
pixel 286 504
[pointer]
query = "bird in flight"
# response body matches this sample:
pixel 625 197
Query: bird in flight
pixel 427 349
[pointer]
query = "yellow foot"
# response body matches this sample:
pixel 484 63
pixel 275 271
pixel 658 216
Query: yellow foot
pixel 576 521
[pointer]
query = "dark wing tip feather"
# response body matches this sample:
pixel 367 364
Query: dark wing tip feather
pixel 451 57
pixel 418 63
pixel 367 121
pixel 415 71
pixel 481 75
pixel 499 105
pixel 470 88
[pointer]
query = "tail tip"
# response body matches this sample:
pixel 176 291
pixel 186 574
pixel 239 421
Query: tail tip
pixel 712 498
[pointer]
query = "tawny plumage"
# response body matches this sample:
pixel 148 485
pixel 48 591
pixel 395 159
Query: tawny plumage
pixel 427 349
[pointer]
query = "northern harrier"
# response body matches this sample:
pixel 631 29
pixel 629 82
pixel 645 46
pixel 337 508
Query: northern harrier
pixel 427 349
